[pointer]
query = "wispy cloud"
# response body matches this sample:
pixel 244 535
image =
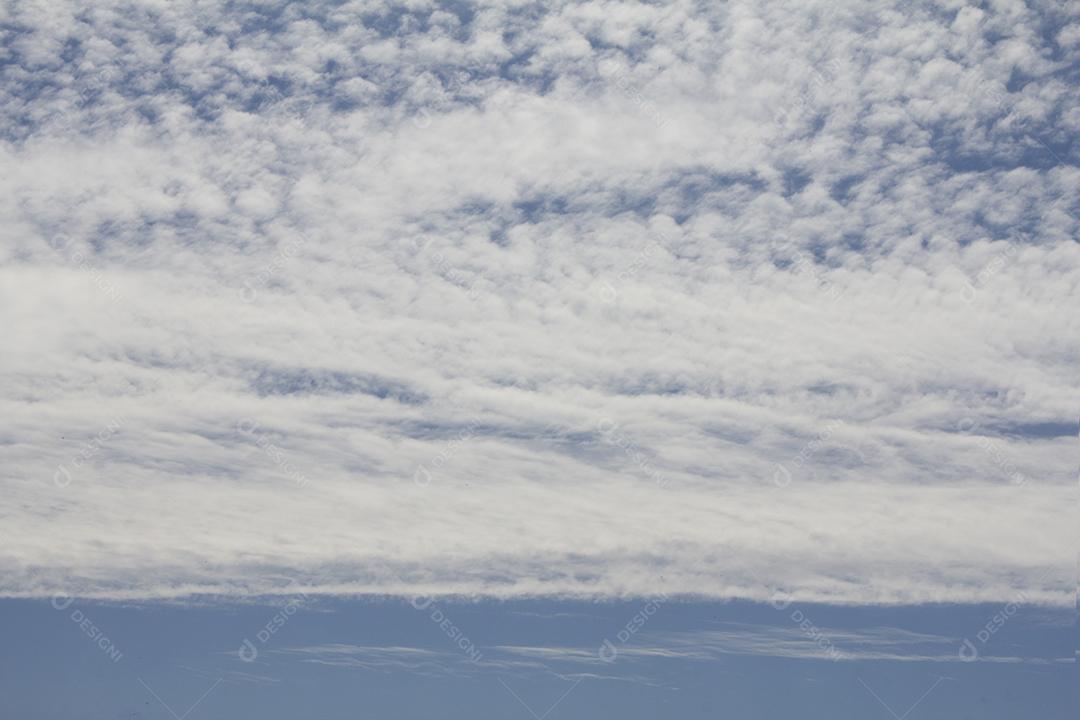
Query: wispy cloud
pixel 639 662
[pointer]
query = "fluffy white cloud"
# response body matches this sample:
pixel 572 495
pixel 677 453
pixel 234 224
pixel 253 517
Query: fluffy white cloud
pixel 513 300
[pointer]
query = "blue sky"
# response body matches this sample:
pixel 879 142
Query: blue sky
pixel 540 307
pixel 342 658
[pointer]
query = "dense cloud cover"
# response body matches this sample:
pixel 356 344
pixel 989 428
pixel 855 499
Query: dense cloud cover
pixel 511 299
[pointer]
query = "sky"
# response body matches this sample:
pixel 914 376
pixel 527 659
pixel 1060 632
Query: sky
pixel 761 308
pixel 304 656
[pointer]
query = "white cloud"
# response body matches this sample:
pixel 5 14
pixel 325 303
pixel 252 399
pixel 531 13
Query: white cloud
pixel 480 222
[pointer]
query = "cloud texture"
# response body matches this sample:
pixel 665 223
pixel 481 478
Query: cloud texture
pixel 557 299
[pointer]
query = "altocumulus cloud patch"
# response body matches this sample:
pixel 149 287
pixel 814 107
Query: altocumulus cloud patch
pixel 751 297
